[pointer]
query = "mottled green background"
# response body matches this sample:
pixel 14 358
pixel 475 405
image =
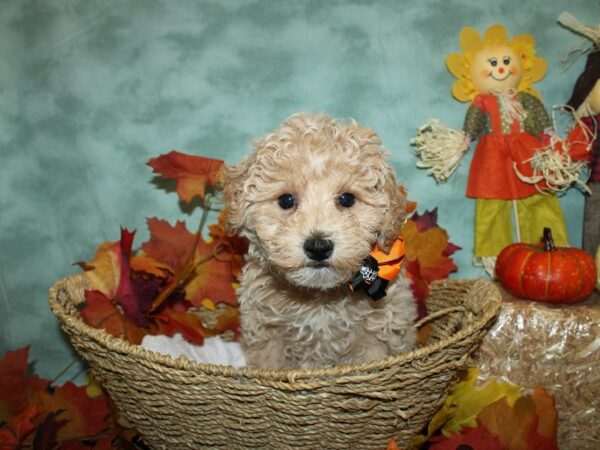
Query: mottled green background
pixel 90 90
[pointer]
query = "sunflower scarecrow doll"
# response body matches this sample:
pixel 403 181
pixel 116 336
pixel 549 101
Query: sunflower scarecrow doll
pixel 508 121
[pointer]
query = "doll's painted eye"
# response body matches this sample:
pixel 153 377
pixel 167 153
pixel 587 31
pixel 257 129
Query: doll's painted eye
pixel 346 200
pixel 506 60
pixel 493 62
pixel 286 201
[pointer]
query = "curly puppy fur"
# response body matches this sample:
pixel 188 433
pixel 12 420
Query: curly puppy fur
pixel 297 312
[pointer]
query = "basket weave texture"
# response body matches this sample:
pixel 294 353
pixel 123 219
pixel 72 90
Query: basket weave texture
pixel 180 404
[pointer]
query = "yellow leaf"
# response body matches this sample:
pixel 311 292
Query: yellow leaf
pixel 208 304
pixel 465 402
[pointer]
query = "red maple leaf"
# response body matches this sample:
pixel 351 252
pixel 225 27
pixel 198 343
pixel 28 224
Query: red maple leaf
pixel 18 429
pixel 427 220
pixel 194 174
pixel 100 312
pixel 15 385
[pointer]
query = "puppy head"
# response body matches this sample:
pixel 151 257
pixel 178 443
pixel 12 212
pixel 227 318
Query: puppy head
pixel 313 198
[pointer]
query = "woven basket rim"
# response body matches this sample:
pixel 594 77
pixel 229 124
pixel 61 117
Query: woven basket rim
pixel 489 311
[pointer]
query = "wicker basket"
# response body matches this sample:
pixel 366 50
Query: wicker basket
pixel 180 404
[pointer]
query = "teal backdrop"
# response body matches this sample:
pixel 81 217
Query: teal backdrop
pixel 91 89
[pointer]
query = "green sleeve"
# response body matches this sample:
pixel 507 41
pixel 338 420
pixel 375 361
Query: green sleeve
pixel 537 117
pixel 475 122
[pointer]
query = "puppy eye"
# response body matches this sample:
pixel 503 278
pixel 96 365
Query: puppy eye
pixel 346 200
pixel 286 201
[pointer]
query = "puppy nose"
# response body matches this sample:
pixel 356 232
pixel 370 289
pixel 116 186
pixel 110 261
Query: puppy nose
pixel 318 249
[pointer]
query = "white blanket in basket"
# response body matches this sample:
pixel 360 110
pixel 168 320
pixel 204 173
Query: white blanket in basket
pixel 214 351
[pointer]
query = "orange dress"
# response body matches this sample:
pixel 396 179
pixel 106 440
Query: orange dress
pixel 491 175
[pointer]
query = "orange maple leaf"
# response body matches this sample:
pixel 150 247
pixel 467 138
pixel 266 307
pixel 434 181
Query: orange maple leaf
pixel 149 266
pixel 213 278
pixel 188 324
pixel 194 174
pixel 82 416
pixel 104 270
pixel 521 427
pixel 169 244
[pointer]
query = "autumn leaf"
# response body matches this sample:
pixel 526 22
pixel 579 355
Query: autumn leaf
pixel 202 269
pixel 147 265
pixel 228 318
pixel 238 245
pixel 428 253
pixel 465 402
pixel 392 445
pixel 545 408
pixel 169 244
pixel 520 426
pixel 15 385
pixel 410 205
pixel 17 430
pixel 469 438
pixel 83 416
pixel 214 277
pixel 47 431
pixel 100 312
pixel 517 420
pixel 104 270
pixel 219 318
pixel 187 323
pixel 133 291
pixel 194 174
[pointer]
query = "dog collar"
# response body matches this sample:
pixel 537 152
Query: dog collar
pixel 378 269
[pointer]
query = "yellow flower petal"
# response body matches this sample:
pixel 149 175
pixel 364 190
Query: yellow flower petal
pixel 470 40
pixel 495 35
pixel 457 65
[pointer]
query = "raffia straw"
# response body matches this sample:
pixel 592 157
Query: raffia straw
pixel 440 148
pixel 552 164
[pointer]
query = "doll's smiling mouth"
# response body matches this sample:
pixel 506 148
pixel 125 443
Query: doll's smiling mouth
pixel 500 79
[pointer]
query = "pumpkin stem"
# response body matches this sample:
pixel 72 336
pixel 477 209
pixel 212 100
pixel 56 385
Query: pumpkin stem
pixel 548 240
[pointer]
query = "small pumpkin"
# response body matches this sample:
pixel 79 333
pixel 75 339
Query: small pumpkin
pixel 546 273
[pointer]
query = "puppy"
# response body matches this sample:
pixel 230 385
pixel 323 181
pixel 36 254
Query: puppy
pixel 313 199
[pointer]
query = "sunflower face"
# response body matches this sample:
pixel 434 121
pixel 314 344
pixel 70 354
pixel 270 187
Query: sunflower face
pixel 497 67
pixel 494 62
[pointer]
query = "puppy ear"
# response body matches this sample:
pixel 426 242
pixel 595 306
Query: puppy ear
pixel 233 181
pixel 395 214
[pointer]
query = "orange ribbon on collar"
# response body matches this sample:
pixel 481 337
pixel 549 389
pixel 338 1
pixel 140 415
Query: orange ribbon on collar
pixel 379 269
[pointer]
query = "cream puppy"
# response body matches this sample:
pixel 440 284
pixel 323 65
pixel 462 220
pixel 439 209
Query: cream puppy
pixel 313 198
